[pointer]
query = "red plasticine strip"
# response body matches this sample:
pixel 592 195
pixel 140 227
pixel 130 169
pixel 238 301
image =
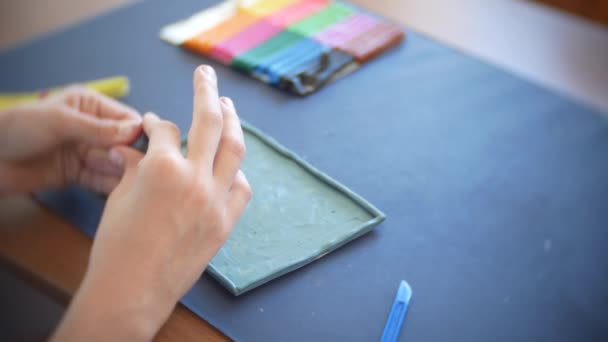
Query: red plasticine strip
pixel 251 37
pixel 296 12
pixel 346 30
pixel 373 42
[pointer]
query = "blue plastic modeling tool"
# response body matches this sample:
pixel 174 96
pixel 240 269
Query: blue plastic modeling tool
pixel 398 311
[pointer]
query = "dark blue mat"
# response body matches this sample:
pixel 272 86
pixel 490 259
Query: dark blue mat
pixel 495 190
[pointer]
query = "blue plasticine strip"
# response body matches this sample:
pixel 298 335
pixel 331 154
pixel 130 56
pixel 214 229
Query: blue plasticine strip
pixel 278 64
pixel 249 60
pixel 288 53
pixel 288 66
pixel 398 311
pixel 283 56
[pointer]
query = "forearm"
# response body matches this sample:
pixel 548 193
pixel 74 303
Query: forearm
pixel 8 183
pixel 6 116
pixel 99 313
pixel 6 170
pixel 10 128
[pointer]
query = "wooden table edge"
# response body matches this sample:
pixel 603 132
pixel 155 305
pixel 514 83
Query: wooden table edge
pixel 47 252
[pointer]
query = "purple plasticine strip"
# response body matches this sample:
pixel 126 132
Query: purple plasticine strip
pixel 251 37
pixel 346 30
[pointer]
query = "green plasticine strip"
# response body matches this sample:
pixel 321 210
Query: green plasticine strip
pixel 333 13
pixel 249 60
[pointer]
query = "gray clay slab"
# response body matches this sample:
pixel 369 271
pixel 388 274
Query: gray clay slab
pixel 297 214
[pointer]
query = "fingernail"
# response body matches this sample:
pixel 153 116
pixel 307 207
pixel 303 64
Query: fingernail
pixel 227 101
pixel 116 158
pixel 148 116
pixel 207 71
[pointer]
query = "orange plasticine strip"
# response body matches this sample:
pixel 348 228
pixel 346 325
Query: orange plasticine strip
pixel 206 41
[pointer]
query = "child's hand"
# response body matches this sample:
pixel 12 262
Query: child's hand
pixel 164 222
pixel 64 139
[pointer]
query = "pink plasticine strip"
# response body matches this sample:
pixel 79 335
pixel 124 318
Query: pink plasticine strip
pixel 251 37
pixel 296 12
pixel 346 30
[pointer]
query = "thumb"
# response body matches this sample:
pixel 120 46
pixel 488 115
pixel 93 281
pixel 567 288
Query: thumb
pixel 98 131
pixel 127 159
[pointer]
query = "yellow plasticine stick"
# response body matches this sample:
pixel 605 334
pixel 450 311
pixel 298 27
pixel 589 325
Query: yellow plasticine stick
pixel 263 8
pixel 115 87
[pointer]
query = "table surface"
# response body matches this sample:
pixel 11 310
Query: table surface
pixel 52 254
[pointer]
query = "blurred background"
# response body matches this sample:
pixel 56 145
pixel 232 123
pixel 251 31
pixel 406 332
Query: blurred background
pixel 560 44
pixel 25 19
pixel 596 10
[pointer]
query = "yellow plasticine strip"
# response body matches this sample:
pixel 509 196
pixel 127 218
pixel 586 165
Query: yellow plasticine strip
pixel 263 8
pixel 113 86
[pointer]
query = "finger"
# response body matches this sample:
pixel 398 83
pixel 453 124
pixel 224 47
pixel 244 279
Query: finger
pixel 127 159
pixel 74 125
pixel 98 159
pixel 206 129
pixel 239 196
pixel 163 135
pixel 100 105
pixel 231 150
pixel 98 182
